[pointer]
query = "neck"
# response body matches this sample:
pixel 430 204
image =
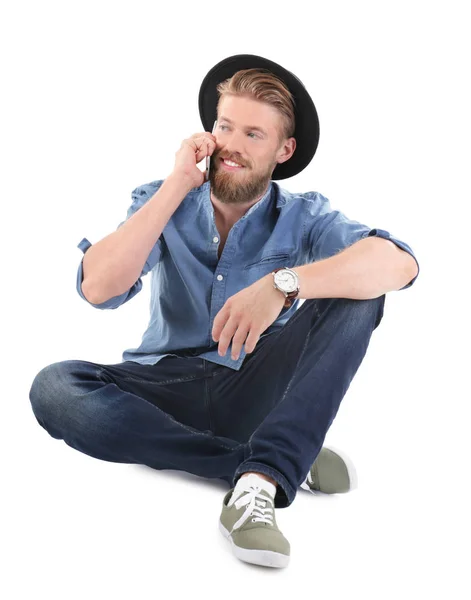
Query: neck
pixel 230 213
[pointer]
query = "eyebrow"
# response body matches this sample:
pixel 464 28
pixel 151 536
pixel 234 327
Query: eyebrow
pixel 252 127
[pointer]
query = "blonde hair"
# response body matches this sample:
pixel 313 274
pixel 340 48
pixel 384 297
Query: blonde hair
pixel 264 86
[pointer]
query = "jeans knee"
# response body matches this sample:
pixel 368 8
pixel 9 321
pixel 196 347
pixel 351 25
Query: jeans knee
pixel 362 311
pixel 47 390
pixel 355 311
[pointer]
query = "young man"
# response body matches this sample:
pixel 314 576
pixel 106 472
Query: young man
pixel 231 258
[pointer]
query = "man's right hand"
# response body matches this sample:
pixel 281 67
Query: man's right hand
pixel 192 151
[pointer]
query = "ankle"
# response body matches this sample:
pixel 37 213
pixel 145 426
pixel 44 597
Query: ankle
pixel 262 475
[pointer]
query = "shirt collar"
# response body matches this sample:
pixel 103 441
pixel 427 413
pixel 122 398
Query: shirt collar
pixel 263 202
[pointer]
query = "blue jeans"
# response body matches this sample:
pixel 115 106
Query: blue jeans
pixel 189 414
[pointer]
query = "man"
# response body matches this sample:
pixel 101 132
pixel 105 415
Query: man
pixel 231 258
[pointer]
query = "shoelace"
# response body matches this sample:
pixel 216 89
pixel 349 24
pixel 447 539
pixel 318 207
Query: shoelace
pixel 256 507
pixel 308 481
pixel 309 478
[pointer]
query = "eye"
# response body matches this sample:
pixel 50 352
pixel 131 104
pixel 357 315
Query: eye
pixel 251 133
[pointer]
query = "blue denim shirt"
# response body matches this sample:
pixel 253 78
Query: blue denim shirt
pixel 190 285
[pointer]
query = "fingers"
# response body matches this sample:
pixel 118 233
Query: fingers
pixel 202 146
pixel 198 142
pixel 203 134
pixel 238 334
pixel 238 341
pixel 251 341
pixel 226 334
pixel 203 143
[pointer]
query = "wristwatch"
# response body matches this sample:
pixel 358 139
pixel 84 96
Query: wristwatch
pixel 287 281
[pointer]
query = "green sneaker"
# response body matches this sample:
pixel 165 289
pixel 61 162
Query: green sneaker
pixel 332 473
pixel 248 522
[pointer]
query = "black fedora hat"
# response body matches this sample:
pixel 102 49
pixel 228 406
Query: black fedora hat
pixel 306 119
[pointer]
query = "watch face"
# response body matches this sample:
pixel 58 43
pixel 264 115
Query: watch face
pixel 286 280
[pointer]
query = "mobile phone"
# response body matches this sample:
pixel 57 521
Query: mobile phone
pixel 208 158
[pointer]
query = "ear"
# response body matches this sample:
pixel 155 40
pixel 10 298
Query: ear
pixel 287 150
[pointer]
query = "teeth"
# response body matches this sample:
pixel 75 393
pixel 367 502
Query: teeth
pixel 230 163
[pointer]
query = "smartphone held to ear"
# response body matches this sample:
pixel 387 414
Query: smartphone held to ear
pixel 208 158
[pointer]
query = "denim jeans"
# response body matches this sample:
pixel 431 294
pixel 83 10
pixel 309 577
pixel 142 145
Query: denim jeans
pixel 189 414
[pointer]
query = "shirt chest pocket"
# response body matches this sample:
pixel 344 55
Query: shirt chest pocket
pixel 272 259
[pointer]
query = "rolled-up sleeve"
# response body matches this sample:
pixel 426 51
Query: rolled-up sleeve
pixel 114 302
pixel 331 231
pixel 140 196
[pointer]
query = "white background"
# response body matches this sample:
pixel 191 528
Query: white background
pixel 96 99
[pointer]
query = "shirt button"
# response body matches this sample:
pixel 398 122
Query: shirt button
pixel 215 240
pixel 219 277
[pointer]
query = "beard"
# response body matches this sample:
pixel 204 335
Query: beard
pixel 238 187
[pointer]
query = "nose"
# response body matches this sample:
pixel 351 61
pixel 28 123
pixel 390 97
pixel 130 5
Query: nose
pixel 233 146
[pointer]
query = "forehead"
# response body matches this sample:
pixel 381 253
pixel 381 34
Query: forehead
pixel 248 113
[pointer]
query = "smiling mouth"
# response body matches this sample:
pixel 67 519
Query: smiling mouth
pixel 231 167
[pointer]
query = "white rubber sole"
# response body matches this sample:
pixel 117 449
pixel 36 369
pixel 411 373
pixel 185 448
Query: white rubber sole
pixel 264 558
pixel 351 469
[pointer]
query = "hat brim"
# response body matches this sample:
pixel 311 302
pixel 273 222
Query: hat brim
pixel 306 119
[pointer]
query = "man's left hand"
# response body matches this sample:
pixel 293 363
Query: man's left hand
pixel 246 315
